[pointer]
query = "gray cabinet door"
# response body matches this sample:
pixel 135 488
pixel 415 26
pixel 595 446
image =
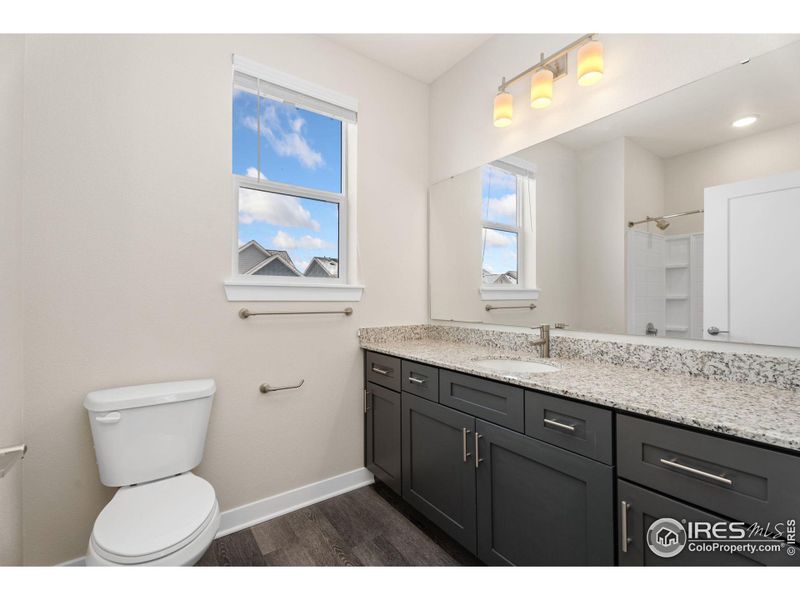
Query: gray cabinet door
pixel 383 419
pixel 541 505
pixel 640 508
pixel 438 467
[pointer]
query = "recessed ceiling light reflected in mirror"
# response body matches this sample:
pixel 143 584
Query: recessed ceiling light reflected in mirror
pixel 745 121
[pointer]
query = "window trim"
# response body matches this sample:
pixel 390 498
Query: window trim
pixel 514 291
pixel 241 287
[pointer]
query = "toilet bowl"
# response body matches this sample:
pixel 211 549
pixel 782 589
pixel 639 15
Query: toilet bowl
pixel 147 439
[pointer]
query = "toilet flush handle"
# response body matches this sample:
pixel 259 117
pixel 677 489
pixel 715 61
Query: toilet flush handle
pixel 112 417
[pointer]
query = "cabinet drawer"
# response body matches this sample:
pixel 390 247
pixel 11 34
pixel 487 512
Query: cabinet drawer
pixel 422 380
pixel 383 370
pixel 570 425
pixel 640 508
pixel 489 400
pixel 734 479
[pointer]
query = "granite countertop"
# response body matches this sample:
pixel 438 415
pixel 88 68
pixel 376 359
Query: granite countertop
pixel 753 412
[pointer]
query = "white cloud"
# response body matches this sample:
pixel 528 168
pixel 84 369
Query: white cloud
pixel 302 265
pixel 255 173
pixel 505 206
pixel 284 132
pixel 496 239
pixel 275 209
pixel 285 241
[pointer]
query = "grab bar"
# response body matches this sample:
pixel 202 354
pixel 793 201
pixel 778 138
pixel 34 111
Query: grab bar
pixel 245 313
pixel 530 306
pixel 266 388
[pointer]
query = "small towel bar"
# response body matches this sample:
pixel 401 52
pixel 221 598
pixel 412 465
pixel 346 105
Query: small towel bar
pixel 245 313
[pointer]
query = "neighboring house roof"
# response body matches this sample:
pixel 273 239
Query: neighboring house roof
pixel 322 266
pixel 509 277
pixel 275 265
pixel 254 257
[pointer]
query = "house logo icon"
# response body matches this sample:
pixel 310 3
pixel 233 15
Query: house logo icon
pixel 666 537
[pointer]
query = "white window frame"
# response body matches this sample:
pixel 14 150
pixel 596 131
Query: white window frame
pixel 345 287
pixel 522 172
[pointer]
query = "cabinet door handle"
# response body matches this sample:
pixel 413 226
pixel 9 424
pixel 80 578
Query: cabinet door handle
pixel 366 406
pixel 676 465
pixel 478 459
pixel 559 425
pixel 464 432
pixel 416 380
pixel 623 522
pixel 380 371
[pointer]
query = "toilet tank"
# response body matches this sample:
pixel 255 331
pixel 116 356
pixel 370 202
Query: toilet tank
pixel 147 432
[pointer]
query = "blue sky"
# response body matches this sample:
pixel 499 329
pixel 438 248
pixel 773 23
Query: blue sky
pixel 298 147
pixel 499 205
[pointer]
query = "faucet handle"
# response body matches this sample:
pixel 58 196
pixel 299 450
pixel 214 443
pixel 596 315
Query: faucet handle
pixel 560 325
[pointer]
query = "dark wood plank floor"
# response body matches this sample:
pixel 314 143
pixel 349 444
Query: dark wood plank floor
pixel 370 526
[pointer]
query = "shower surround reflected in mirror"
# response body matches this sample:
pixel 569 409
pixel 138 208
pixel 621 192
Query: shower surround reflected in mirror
pixel 664 219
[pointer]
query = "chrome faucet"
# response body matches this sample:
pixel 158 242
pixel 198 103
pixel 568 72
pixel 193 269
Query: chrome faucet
pixel 544 340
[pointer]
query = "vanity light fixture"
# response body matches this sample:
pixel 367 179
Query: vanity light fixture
pixel 745 121
pixel 549 70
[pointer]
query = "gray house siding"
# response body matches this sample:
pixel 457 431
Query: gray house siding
pixel 249 258
pixel 276 267
pixel 315 270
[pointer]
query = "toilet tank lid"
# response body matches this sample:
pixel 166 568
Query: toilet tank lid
pixel 136 396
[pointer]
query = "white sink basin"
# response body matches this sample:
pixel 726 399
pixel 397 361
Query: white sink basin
pixel 516 366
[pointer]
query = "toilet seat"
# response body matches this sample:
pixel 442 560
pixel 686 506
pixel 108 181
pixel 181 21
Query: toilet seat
pixel 147 522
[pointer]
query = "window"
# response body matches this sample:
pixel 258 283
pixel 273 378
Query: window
pixel 294 188
pixel 508 235
pixel 501 233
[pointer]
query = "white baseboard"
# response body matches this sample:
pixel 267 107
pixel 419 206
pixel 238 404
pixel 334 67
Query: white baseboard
pixel 247 515
pixel 259 511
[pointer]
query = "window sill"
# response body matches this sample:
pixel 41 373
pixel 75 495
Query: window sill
pixel 253 291
pixel 509 294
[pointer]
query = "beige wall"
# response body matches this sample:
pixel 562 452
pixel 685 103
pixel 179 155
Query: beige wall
pixel 128 227
pixel 638 67
pixel 12 51
pixel 758 155
pixel 601 239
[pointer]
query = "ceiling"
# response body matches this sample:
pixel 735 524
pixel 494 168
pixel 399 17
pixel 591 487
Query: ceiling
pixel 423 56
pixel 699 115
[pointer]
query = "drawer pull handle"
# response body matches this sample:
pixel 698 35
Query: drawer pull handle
pixel 416 380
pixel 623 519
pixel 560 425
pixel 464 432
pixel 380 371
pixel 676 465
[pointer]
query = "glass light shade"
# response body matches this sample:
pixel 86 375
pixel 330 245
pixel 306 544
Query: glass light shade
pixel 503 109
pixel 542 89
pixel 590 63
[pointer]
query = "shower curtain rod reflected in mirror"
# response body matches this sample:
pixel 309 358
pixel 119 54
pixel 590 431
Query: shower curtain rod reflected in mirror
pixel 661 222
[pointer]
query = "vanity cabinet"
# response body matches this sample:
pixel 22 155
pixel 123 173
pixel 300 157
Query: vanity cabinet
pixel 382 410
pixel 520 477
pixel 539 505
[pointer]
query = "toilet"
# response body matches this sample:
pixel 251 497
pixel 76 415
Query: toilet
pixel 147 439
